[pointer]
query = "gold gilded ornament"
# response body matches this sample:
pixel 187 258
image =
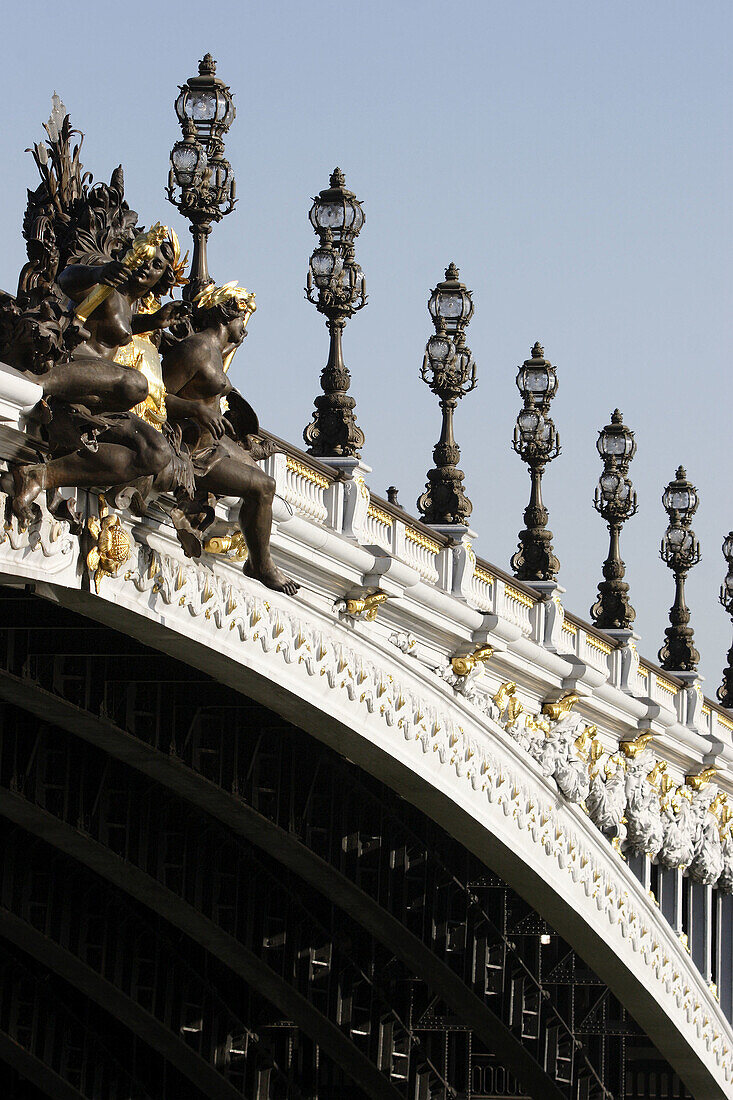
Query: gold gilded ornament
pixel 463 665
pixel 557 710
pixel 701 779
pixel 228 294
pixel 366 606
pixel 656 775
pixel 631 749
pixel 113 544
pixel 143 248
pixel 233 544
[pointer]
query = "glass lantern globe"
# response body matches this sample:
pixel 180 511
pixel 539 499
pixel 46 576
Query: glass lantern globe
pixel 616 440
pixel 325 264
pixel 537 376
pixel 612 486
pixel 337 211
pixel 188 158
pixel 728 549
pixel 441 350
pixel 450 304
pixel 352 278
pixel 206 101
pixel 681 497
pixel 532 425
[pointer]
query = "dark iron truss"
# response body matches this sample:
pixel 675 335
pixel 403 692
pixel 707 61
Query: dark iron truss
pixel 198 899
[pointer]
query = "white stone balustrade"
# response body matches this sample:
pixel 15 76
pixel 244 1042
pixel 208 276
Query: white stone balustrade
pixel 378 527
pixel 515 606
pixel 300 486
pixel 483 589
pixel 421 552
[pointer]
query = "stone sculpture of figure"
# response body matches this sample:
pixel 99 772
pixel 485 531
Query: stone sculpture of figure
pixel 678 846
pixel 644 816
pixel 606 800
pixel 707 861
pixel 195 379
pixel 90 396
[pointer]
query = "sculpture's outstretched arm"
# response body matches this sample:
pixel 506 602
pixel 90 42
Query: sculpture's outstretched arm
pixel 169 314
pixel 210 418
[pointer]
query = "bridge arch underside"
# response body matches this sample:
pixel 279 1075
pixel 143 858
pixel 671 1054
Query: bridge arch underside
pixel 200 899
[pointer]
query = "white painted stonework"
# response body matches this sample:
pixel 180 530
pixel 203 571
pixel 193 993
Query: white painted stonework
pixel 383 692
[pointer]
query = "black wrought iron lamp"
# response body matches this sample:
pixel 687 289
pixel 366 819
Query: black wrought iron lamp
pixel 615 501
pixel 680 550
pixel 449 371
pixel 725 691
pixel 536 441
pixel 337 288
pixel 200 181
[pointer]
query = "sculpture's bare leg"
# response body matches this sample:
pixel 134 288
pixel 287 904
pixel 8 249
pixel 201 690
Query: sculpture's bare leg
pixel 98 384
pixel 126 451
pixel 235 476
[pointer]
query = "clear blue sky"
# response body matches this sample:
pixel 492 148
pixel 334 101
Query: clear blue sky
pixel 573 158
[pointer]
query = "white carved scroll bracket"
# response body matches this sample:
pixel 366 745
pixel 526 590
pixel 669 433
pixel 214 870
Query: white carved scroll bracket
pixel 18 395
pixel 484 636
pixel 390 574
pixel 584 679
pixel 500 629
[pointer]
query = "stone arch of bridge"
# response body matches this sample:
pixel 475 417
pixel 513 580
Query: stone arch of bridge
pixel 441 793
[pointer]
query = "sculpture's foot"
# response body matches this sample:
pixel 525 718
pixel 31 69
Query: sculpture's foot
pixel 272 577
pixel 189 538
pixel 27 485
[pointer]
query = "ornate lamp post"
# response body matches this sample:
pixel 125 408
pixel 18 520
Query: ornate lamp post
pixel 337 288
pixel 725 691
pixel 680 550
pixel 536 442
pixel 615 501
pixel 200 181
pixel 449 370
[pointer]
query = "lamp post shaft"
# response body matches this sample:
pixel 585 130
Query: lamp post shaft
pixel 535 559
pixel 199 278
